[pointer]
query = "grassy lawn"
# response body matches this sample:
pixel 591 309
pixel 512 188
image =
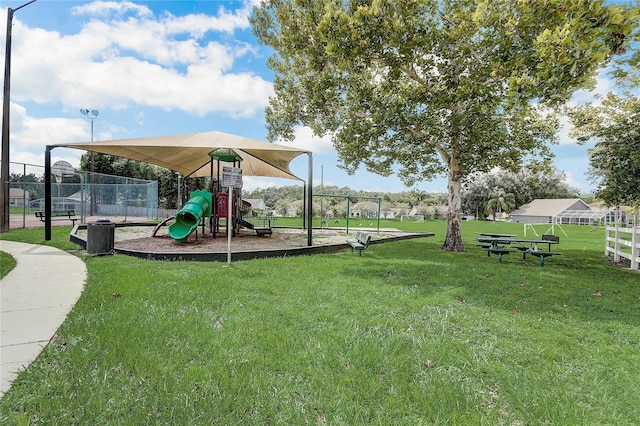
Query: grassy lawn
pixel 7 263
pixel 405 334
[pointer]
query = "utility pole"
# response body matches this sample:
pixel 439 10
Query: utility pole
pixel 4 160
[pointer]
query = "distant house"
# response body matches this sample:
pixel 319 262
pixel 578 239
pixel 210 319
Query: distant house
pixel 257 204
pixel 17 197
pixel 545 210
pixel 566 211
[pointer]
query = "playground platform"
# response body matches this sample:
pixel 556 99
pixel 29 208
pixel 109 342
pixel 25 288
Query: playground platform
pixel 136 240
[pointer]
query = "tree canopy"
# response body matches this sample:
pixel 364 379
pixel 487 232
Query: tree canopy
pixel 526 186
pixel 613 122
pixel 499 202
pixel 429 87
pixel 615 160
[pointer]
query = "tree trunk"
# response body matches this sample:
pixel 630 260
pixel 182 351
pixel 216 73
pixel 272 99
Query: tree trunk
pixel 453 239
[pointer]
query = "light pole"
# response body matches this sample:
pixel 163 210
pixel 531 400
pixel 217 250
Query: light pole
pixel 91 114
pixel 4 161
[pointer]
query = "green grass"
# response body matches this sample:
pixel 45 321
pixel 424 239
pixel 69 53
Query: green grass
pixel 59 237
pixel 405 334
pixel 7 263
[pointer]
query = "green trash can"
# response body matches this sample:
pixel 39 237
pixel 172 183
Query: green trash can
pixel 101 237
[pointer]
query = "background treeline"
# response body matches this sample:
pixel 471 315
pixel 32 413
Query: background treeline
pixel 478 190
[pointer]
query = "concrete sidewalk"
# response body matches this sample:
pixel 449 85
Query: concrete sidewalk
pixel 35 298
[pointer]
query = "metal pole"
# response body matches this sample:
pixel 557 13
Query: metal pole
pixel 47 193
pixel 179 193
pixel 310 200
pixel 92 186
pixel 304 206
pixel 91 114
pixel 4 158
pixel 82 198
pixel 322 190
pixel 4 167
pixel 24 195
pixel 229 225
pixel 348 211
pixel 126 198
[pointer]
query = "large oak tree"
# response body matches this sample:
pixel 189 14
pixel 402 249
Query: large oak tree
pixel 431 87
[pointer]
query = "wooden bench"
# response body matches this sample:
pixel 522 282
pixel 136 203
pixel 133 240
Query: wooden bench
pixel 59 215
pixel 499 251
pixel 539 254
pixel 361 242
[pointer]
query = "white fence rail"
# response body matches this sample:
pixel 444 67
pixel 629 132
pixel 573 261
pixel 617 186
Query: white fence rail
pixel 623 243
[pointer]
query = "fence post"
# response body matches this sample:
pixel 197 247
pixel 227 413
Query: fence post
pixel 616 246
pixel 635 242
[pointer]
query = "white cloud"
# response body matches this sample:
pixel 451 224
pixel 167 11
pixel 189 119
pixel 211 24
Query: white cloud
pixel 111 8
pixel 251 183
pixel 34 134
pixel 570 180
pixel 30 136
pixel 563 132
pixel 604 85
pixel 139 59
pixel 306 140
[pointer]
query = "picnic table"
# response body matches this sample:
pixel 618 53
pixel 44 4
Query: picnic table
pixel 494 235
pixel 59 215
pixel 533 244
pixel 500 244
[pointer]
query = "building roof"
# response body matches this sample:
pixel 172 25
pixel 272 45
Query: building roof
pixel 257 203
pixel 550 207
pixel 18 193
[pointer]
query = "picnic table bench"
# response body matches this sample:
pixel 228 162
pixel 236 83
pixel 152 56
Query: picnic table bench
pixel 539 254
pixel 360 243
pixel 498 243
pixel 59 215
pixel 499 251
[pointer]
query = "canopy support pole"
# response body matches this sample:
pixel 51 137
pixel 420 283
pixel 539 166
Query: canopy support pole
pixel 47 193
pixel 310 201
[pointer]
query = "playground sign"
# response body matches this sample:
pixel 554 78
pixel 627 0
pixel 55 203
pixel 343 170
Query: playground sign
pixel 232 177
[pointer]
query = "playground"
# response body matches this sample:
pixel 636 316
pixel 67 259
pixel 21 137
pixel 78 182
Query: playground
pixel 138 240
pixel 215 219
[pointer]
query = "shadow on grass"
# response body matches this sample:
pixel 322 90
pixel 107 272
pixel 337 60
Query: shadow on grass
pixel 580 283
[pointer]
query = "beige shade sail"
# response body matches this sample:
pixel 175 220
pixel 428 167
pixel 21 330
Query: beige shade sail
pixel 188 154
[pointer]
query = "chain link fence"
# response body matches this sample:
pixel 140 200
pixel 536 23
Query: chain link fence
pixel 87 194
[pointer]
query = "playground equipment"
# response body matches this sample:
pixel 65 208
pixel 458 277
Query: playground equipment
pixel 216 205
pixel 187 220
pixel 325 222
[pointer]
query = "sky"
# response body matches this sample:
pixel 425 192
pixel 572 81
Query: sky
pixel 153 68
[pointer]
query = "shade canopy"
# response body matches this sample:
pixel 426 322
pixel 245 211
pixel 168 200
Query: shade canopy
pixel 189 154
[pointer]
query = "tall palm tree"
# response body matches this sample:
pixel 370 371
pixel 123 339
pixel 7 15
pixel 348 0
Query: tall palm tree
pixel 500 201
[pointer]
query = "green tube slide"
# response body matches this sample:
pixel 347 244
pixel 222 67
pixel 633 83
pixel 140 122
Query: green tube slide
pixel 188 219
